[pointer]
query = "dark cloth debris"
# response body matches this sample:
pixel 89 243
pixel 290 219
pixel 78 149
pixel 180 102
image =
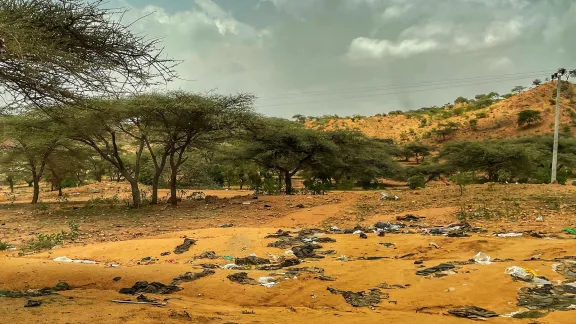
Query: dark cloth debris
pixel 327 252
pixel 251 260
pixel 279 233
pixel 389 227
pixel 165 253
pixel 307 251
pixel 394 286
pixel 191 276
pixel 209 266
pixel 560 297
pixel 472 312
pixel 324 278
pixel 388 245
pixel 33 303
pixel 418 262
pixel 439 268
pixel 363 236
pixel 409 218
pixel 149 288
pixel 117 278
pixel 299 206
pixel 381 234
pixel 207 255
pixel 184 247
pixel 408 255
pixel 324 240
pixel 361 299
pixel 242 278
pixel 226 225
pixel 284 243
pixel 46 291
pixel 298 271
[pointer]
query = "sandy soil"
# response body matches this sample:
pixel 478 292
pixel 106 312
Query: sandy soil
pixel 117 236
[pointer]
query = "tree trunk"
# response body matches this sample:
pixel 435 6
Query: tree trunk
pixel 59 190
pixel 136 199
pixel 288 182
pixel 36 194
pixel 173 193
pixel 51 186
pixel 155 181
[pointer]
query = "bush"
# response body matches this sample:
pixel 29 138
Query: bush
pixel 474 124
pixel 416 181
pixel 458 111
pixel 481 115
pixel 574 183
pixel 528 117
pixel 48 241
pixel 4 246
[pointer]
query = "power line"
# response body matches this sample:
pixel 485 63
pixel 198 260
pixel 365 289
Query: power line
pixel 448 86
pixel 393 86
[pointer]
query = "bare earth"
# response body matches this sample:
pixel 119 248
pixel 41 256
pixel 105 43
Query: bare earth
pixel 118 236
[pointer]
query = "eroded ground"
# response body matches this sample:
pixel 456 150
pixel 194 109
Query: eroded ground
pixel 119 239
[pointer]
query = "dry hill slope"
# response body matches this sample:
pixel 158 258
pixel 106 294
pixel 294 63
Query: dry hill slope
pixel 500 119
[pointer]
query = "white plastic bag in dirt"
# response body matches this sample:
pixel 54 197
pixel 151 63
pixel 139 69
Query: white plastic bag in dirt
pixel 519 273
pixel 356 232
pixel 67 259
pixel 509 234
pixel 230 266
pixel 482 258
pixel 267 281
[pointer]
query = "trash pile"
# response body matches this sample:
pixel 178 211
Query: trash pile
pixel 191 276
pixel 441 270
pixel 472 312
pixel 46 291
pixel 184 247
pixel 452 230
pixel 142 287
pixel 361 299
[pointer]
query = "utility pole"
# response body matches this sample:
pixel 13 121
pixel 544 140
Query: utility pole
pixel 558 75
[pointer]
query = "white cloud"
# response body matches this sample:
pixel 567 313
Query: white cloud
pixel 499 63
pixel 499 32
pixel 395 11
pixel 368 48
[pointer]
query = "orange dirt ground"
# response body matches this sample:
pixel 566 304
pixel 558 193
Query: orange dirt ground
pixel 116 235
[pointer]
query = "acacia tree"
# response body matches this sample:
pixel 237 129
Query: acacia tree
pixel 419 151
pixel 33 140
pixel 105 127
pixel 63 51
pixel 284 146
pixel 528 117
pixel 177 122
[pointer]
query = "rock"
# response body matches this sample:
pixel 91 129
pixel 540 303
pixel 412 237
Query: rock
pixel 472 312
pixel 184 247
pixel 117 278
pixel 418 262
pixel 242 278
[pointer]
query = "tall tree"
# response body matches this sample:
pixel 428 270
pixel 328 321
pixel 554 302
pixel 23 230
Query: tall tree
pixel 177 122
pixel 284 146
pixel 33 139
pixel 63 51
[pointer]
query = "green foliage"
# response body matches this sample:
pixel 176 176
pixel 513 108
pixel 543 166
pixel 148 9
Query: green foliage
pixel 447 129
pixel 461 100
pixel 473 124
pixel 4 246
pixel 48 241
pixel 536 82
pixel 528 117
pixel 574 182
pixel 507 96
pixel 102 201
pixel 458 111
pixel 480 115
pixel 462 179
pixel 416 181
pixel 423 122
pixel 518 89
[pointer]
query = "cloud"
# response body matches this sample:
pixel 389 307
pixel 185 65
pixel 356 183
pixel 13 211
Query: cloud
pixel 367 48
pixel 395 11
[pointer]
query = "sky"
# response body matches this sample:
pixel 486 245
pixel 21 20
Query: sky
pixel 345 57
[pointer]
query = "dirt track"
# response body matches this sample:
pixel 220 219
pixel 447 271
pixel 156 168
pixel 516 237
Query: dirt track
pixel 215 299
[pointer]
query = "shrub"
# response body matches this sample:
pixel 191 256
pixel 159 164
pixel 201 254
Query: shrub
pixel 4 246
pixel 458 111
pixel 574 183
pixel 480 115
pixel 528 117
pixel 474 124
pixel 416 181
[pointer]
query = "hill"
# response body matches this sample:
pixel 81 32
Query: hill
pixel 494 118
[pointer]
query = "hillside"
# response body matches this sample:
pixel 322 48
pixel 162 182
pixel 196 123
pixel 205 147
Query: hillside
pixel 498 120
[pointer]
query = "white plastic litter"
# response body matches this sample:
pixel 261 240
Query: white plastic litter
pixel 519 273
pixel 539 219
pixel 335 228
pixel 342 258
pixel 230 266
pixel 252 254
pixel 267 281
pixel 540 282
pixel 509 234
pixel 384 196
pixel 68 260
pixel 482 258
pixel 358 232
pixel 289 253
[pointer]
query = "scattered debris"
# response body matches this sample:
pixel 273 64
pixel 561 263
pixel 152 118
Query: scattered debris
pixel 46 291
pixel 251 260
pixel 472 312
pixel 300 206
pixel 66 259
pixel 361 299
pixel 184 247
pixel 209 266
pixel 149 288
pixel 434 245
pixel 363 236
pixel 569 230
pixel 165 253
pixel 540 218
pixel 381 233
pixel 117 278
pixel 388 227
pixel 395 286
pixel 388 245
pixel 242 278
pixel 509 234
pixel 191 276
pixel 278 234
pixel 482 258
pixel 324 278
pixel 267 281
pixel 228 257
pixel 307 251
pixel 520 273
pixel 439 268
pixel 33 303
pixel 207 255
pixel 140 302
pixel 409 218
pixel 226 225
pixel 418 262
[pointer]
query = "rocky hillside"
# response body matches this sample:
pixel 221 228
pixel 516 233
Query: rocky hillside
pixel 471 121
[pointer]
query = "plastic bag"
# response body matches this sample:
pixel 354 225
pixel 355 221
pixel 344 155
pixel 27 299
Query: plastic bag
pixel 520 273
pixel 482 258
pixel 68 260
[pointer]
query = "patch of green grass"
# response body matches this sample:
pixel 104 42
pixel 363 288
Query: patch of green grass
pixel 4 246
pixel 48 241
